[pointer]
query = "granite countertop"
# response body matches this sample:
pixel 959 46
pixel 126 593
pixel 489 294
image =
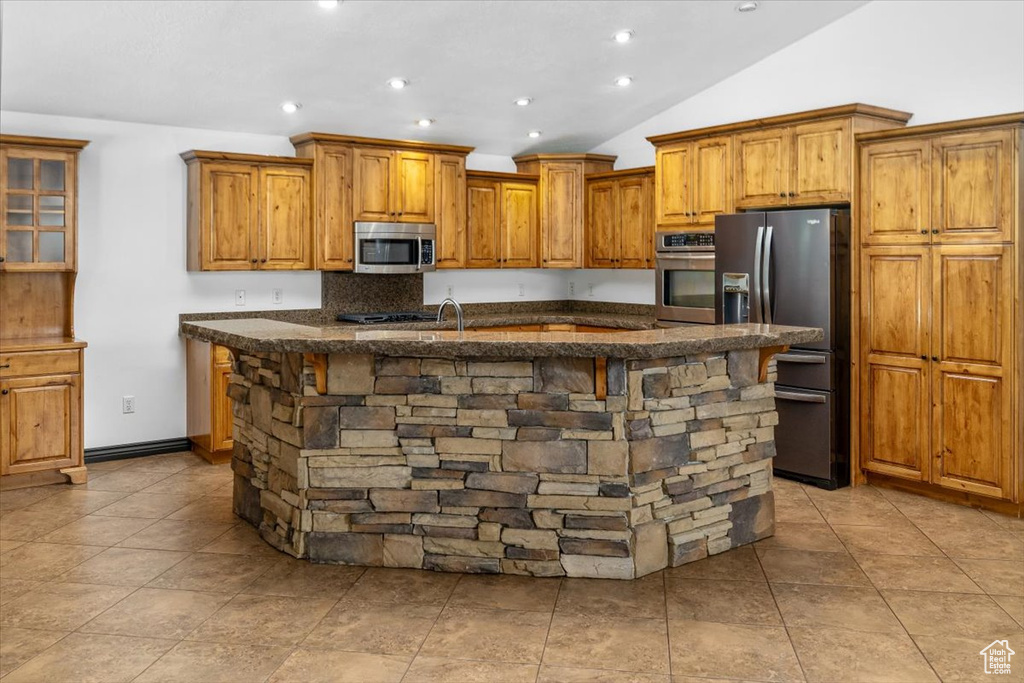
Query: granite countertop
pixel 272 336
pixel 622 321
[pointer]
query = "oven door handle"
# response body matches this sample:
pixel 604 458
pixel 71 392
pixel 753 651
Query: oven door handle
pixel 802 398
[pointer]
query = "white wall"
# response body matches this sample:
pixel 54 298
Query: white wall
pixel 132 282
pixel 940 60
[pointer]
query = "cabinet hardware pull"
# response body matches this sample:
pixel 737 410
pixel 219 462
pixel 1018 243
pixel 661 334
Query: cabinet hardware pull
pixel 4 392
pixel 782 194
pixel 263 260
pixel 5 365
pixel 792 194
pixel 254 260
pixel 924 357
pixel 1 259
pixel 935 359
pixel 924 232
pixel 934 231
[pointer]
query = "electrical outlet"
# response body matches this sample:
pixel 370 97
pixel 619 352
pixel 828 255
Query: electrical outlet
pixel 276 296
pixel 572 289
pixel 239 297
pixel 590 289
pixel 522 289
pixel 450 289
pixel 127 404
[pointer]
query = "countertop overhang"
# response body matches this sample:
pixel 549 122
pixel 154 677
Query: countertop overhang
pixel 271 336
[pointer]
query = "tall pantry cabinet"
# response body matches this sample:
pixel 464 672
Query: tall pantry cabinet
pixel 941 330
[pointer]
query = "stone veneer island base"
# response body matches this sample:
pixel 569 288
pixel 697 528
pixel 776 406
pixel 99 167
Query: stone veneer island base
pixel 547 465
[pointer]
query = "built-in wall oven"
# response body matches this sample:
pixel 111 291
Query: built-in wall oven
pixel 395 247
pixel 685 286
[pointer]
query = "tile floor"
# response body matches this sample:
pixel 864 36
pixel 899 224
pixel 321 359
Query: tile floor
pixel 143 574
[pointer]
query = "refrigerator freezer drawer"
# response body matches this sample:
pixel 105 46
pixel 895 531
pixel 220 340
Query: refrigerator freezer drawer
pixel 810 369
pixel 805 438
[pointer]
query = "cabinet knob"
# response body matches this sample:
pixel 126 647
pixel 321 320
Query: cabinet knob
pixel 935 359
pixel 4 392
pixel 782 194
pixel 934 231
pixel 263 260
pixel 924 232
pixel 792 194
pixel 254 260
pixel 924 357
pixel 1 259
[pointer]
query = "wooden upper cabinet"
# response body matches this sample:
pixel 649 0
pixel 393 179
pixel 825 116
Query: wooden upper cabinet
pixel 562 215
pixel 895 192
pixel 483 225
pixel 38 203
pixel 822 162
pixel 620 219
pixel 603 224
pixel 519 225
pixel 673 175
pixel 896 289
pixel 636 229
pixel 334 248
pixel 502 229
pixel 247 212
pixel 973 187
pixel 414 192
pixel 762 168
pixel 450 210
pixel 373 185
pixel 712 179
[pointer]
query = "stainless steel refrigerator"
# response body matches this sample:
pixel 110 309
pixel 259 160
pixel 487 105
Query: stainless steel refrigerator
pixel 793 268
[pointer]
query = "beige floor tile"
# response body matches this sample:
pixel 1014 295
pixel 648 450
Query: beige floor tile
pixel 1005 521
pixel 157 613
pixel 734 602
pixel 44 561
pixel 787 488
pixel 168 463
pixel 172 534
pixel 60 606
pixel 923 510
pixel 263 620
pixel 948 614
pixel 638 599
pixel 561 674
pixel 801 566
pixel 185 484
pixel 505 591
pixel 124 567
pixel 412 586
pixel 984 542
pixel 87 658
pixel 13 499
pixel 738 564
pixel 899 539
pixel 327 666
pixel 11 588
pixel 374 627
pixel 796 511
pixel 958 658
pixel 296 578
pixel 1012 605
pixel 838 656
pixel 493 635
pixel 441 670
pixel 207 509
pixel 816 537
pixel 126 481
pixel 600 643
pixel 213 573
pixel 152 505
pixel 18 645
pixel 903 572
pixel 78 501
pixel 26 525
pixel 702 648
pixel 849 607
pixel 241 539
pixel 7 546
pixel 107 466
pixel 97 530
pixel 871 510
pixel 190 662
pixel 996 577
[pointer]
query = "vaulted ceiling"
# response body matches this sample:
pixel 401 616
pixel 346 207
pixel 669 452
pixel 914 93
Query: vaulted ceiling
pixel 229 65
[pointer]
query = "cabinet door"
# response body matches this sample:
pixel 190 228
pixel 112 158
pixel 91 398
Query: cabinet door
pixel 895 341
pixel 230 209
pixel 450 209
pixel 221 437
pixel 895 192
pixel 40 423
pixel 973 349
pixel 562 215
pixel 37 210
pixel 519 225
pixel 712 179
pixel 673 173
pixel 414 190
pixel 822 163
pixel 972 187
pixel 483 227
pixel 762 168
pixel 634 234
pixel 603 224
pixel 373 178
pixel 286 227
pixel 334 232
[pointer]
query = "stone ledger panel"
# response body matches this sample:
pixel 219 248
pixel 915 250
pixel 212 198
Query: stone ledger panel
pixel 505 466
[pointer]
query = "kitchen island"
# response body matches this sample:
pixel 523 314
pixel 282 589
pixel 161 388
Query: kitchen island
pixel 606 455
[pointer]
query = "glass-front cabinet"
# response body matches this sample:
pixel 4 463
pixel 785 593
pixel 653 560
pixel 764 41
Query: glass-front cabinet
pixel 37 208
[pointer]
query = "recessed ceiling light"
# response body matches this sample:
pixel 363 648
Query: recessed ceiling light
pixel 290 107
pixel 749 6
pixel 534 134
pixel 623 81
pixel 425 123
pixel 398 83
pixel 623 36
pixel 327 4
pixel 523 101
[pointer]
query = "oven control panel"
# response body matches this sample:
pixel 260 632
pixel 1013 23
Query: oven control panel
pixel 427 256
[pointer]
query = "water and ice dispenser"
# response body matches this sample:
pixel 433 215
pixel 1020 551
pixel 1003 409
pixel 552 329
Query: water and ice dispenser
pixel 735 298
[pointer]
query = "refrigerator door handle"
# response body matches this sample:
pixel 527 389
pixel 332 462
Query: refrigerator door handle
pixel 799 358
pixel 755 287
pixel 766 275
pixel 803 398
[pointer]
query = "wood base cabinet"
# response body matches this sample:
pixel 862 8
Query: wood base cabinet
pixel 210 422
pixel 620 221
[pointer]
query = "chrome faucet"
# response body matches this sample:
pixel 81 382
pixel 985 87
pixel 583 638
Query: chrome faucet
pixel 458 312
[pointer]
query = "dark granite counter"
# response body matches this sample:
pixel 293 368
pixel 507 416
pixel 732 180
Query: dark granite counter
pixel 271 336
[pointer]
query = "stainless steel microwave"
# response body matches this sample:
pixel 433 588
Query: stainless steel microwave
pixel 685 284
pixel 395 247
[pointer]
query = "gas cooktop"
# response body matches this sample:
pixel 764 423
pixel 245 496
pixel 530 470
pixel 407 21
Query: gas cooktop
pixel 387 317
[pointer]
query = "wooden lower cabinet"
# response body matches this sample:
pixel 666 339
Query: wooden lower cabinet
pixel 209 414
pixel 894 418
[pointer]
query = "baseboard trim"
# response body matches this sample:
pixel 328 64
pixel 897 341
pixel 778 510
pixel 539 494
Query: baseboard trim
pixel 136 450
